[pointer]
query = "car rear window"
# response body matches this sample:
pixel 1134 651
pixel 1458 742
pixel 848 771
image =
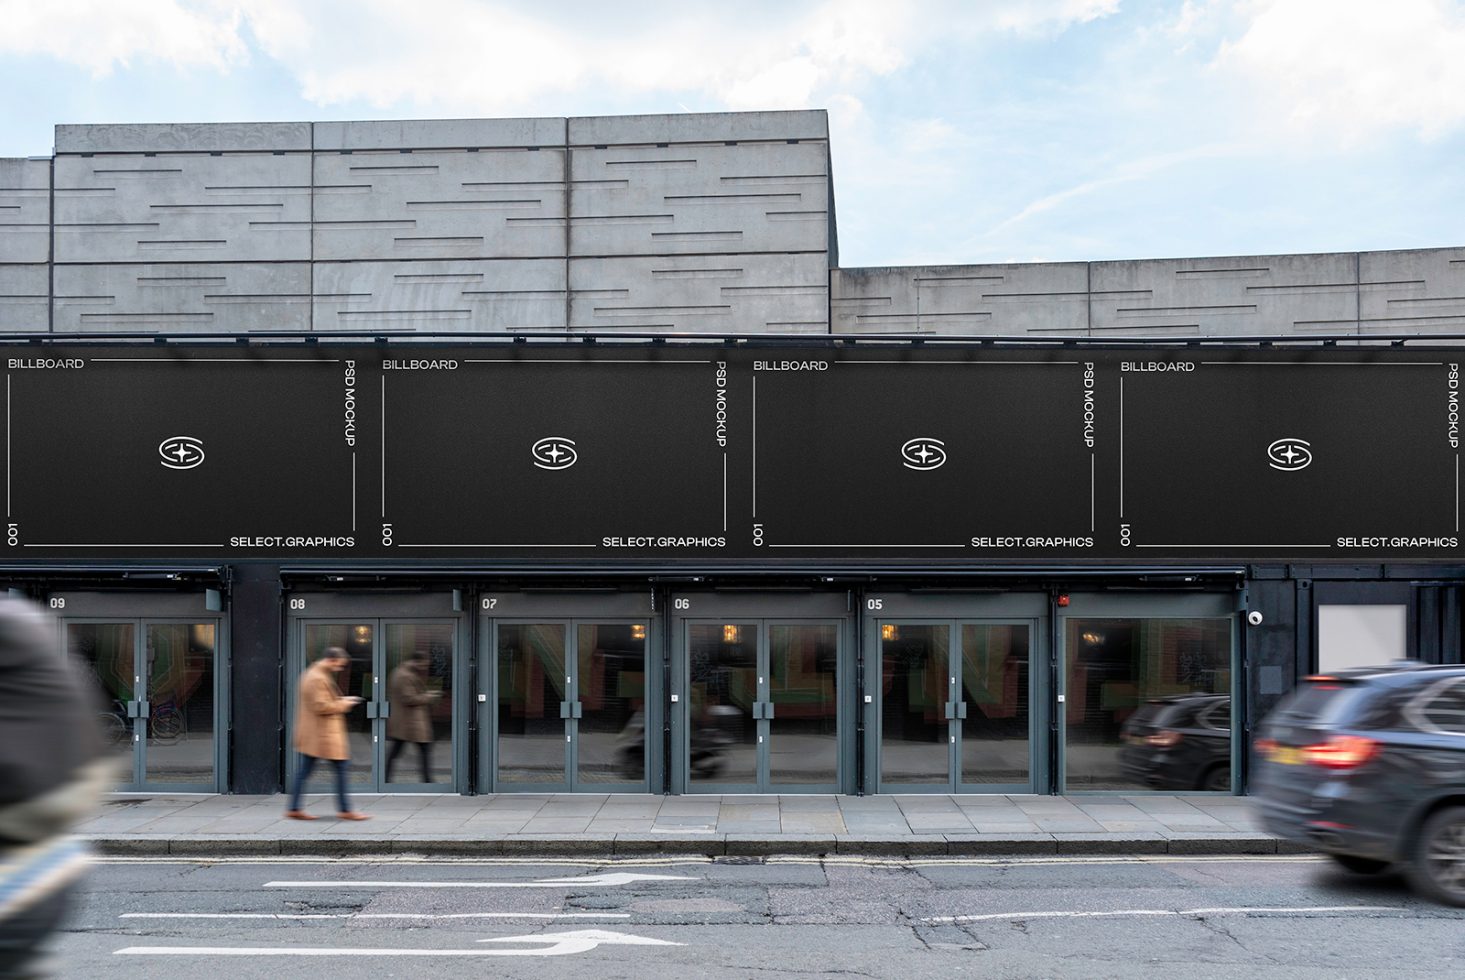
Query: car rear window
pixel 1320 703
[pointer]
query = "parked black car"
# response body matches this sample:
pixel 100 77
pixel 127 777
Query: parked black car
pixel 1179 743
pixel 1368 766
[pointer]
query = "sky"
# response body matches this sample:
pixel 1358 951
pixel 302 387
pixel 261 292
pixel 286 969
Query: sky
pixel 962 131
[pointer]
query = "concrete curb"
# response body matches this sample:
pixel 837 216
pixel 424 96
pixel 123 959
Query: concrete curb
pixel 611 846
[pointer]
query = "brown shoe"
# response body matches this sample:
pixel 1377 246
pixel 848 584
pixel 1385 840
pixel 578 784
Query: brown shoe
pixel 299 815
pixel 352 815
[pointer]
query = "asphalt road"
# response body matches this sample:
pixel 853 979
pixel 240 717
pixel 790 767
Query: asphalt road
pixel 1161 917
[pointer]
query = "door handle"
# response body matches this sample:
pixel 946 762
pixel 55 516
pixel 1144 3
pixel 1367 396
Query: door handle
pixel 372 710
pixel 385 709
pixel 577 709
pixel 961 710
pixel 951 714
pixel 144 709
pixel 768 710
pixel 132 709
pixel 566 709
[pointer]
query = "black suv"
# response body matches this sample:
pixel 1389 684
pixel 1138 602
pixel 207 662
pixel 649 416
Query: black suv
pixel 1181 742
pixel 1368 766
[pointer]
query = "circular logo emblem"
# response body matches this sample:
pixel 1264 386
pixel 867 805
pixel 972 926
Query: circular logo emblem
pixel 181 452
pixel 923 454
pixel 1289 454
pixel 554 453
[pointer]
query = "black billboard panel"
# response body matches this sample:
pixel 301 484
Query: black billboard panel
pixel 551 454
pixel 848 453
pixel 1295 454
pixel 928 454
pixel 148 453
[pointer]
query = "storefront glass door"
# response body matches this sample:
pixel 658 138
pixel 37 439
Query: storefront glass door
pixel 762 706
pixel 954 706
pixel 572 704
pixel 159 692
pixel 401 734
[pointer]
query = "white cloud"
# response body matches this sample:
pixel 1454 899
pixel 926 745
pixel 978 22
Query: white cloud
pixel 487 56
pixel 103 36
pixel 1349 70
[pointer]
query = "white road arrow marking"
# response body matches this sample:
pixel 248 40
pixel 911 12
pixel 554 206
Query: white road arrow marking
pixel 615 878
pixel 552 944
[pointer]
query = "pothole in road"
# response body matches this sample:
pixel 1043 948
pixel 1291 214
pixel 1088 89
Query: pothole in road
pixel 674 905
pixel 324 907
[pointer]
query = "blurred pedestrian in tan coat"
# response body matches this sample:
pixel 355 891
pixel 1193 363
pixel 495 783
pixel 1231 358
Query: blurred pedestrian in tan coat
pixel 320 730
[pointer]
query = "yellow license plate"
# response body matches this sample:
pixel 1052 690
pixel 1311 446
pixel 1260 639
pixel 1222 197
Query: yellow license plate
pixel 1287 755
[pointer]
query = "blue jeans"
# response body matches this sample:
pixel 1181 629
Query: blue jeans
pixel 302 773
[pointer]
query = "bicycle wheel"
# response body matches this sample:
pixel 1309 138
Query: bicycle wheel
pixel 166 724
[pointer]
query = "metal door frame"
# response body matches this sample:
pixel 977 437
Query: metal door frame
pixel 1211 605
pixel 141 610
pixel 764 609
pixel 572 609
pixel 955 609
pixel 380 610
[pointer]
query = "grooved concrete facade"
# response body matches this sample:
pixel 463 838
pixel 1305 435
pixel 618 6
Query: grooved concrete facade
pixel 699 223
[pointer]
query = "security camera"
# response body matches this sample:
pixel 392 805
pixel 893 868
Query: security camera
pixel 1254 617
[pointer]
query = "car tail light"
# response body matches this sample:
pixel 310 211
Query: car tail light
pixel 1341 752
pixel 1163 740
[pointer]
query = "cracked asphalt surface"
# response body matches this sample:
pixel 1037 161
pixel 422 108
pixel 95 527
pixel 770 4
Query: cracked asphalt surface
pixel 1096 917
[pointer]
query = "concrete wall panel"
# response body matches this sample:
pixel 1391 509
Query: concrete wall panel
pixel 1420 291
pixel 701 127
pixel 699 199
pixel 25 210
pixel 993 300
pixel 1246 295
pixel 440 204
pixel 23 293
pixel 487 296
pixel 182 137
pixel 427 134
pixel 700 294
pixel 183 208
pixel 205 297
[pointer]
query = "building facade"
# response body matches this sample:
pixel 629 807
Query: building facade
pixel 608 477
